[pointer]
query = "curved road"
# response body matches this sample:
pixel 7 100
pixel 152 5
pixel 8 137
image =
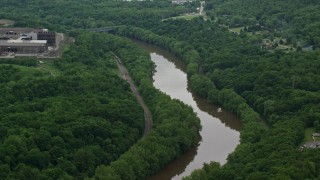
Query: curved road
pixel 125 75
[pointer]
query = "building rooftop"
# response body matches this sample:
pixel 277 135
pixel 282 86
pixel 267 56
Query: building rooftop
pixel 181 1
pixel 23 43
pixel 311 144
pixel 31 41
pixel 316 134
pixel 46 32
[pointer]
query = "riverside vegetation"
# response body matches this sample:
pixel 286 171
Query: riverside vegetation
pixel 275 92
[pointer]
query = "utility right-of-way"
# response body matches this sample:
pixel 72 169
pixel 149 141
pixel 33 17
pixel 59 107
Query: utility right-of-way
pixel 125 75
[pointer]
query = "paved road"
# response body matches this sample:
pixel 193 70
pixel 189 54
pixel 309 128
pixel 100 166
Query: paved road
pixel 125 75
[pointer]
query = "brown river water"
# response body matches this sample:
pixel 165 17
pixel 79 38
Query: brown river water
pixel 220 129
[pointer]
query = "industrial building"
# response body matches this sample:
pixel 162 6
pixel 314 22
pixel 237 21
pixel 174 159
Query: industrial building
pixel 13 32
pixel 25 40
pixel 47 35
pixel 23 46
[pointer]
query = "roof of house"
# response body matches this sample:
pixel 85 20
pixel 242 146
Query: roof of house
pixel 312 144
pixel 316 134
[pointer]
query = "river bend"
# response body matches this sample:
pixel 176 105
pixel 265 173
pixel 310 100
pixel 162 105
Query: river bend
pixel 220 128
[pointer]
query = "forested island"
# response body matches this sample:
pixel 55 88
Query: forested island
pixel 74 117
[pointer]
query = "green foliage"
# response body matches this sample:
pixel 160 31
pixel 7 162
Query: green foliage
pixel 175 126
pixel 66 125
pixel 256 85
pixel 49 123
pixel 24 62
pixel 88 14
pixel 201 85
pixel 293 19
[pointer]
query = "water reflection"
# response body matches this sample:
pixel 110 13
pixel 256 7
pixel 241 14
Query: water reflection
pixel 220 130
pixel 229 119
pixel 178 166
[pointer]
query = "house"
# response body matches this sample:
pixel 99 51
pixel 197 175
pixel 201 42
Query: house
pixel 316 135
pixel 181 1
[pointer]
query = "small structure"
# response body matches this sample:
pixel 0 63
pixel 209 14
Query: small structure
pixel 312 144
pixel 316 135
pixel 33 35
pixel 23 46
pixel 50 36
pixel 26 38
pixel 4 38
pixel 181 1
pixel 14 32
pixel 29 42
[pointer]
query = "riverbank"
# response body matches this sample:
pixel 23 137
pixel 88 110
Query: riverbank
pixel 170 78
pixel 175 127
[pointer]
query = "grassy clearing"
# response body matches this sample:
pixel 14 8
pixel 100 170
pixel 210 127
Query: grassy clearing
pixel 185 16
pixel 236 30
pixel 46 66
pixel 285 48
pixel 6 22
pixel 308 135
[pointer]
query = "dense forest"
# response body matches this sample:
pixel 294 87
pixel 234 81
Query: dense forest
pixel 66 125
pixel 259 59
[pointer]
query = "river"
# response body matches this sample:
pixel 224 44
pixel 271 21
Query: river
pixel 220 129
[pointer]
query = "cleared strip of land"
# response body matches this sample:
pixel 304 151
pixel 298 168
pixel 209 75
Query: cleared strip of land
pixel 125 75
